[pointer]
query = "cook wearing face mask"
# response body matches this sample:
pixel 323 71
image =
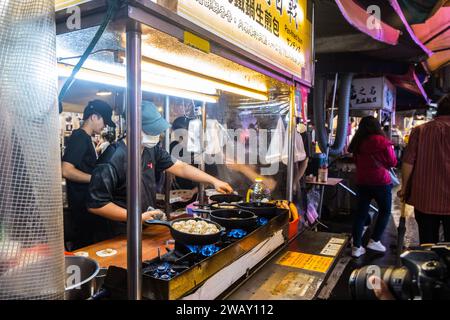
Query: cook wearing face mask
pixel 107 189
pixel 149 141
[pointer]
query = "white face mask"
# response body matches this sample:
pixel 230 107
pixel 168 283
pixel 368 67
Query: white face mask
pixel 149 141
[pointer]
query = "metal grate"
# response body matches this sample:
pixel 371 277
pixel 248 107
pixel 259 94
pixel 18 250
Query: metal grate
pixel 31 236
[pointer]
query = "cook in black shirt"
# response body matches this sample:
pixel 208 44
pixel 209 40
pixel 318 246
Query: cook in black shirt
pixel 107 190
pixel 77 165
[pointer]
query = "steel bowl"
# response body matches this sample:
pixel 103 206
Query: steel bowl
pixel 81 273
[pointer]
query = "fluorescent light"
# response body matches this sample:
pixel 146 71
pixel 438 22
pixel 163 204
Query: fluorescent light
pixel 181 75
pixel 119 81
pixel 150 87
pixel 103 93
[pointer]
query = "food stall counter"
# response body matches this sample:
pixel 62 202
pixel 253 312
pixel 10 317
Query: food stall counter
pixel 113 252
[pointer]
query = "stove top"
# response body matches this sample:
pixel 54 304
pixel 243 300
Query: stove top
pixel 183 257
pixel 161 273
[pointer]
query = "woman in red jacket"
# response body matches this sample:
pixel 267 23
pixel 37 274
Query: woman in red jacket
pixel 374 156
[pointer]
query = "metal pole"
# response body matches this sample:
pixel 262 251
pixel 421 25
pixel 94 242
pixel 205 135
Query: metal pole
pixel 291 145
pixel 330 134
pixel 201 189
pixel 313 37
pixel 168 177
pixel 134 99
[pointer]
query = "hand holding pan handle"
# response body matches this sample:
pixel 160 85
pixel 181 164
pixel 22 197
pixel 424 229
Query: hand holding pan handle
pixel 158 222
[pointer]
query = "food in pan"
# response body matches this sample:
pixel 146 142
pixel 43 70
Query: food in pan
pixel 195 227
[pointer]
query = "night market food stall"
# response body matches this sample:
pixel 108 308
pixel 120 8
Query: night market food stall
pixel 241 72
pixel 246 65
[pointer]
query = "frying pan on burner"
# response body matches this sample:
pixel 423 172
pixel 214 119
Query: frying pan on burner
pixel 234 218
pixel 189 238
pixel 227 198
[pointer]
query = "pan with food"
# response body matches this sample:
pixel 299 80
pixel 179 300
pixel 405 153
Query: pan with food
pixel 192 231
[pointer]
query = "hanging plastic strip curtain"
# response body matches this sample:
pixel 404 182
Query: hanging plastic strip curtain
pixel 31 225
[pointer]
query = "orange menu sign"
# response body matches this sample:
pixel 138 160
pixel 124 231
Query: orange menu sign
pixel 305 261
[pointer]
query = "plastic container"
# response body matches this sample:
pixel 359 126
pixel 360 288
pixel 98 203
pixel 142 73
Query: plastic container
pixel 294 219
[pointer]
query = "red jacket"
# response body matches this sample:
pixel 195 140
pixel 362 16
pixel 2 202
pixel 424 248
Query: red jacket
pixel 373 159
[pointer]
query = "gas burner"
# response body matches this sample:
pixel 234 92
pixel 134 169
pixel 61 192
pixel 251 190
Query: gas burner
pixel 163 270
pixel 262 221
pixel 237 233
pixel 206 251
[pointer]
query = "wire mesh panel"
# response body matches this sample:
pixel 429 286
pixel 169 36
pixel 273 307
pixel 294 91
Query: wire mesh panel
pixel 31 233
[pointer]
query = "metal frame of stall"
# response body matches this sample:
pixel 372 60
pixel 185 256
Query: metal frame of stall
pixel 129 18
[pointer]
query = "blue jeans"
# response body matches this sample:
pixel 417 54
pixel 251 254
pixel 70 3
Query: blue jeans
pixel 383 198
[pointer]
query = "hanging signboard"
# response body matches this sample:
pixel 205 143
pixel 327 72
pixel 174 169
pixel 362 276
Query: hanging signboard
pixel 276 31
pixel 372 93
pixel 64 4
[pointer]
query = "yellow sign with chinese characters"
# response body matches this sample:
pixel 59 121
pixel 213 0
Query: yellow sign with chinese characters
pixel 64 4
pixel 305 261
pixel 276 31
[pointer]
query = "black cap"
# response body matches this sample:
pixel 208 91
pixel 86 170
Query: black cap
pixel 181 123
pixel 102 108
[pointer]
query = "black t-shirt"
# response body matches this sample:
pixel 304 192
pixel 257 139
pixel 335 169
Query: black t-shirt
pixel 109 181
pixel 181 183
pixel 81 153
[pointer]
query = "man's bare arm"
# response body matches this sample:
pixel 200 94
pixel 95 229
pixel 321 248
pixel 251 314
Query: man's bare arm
pixel 183 170
pixel 114 212
pixel 73 174
pixel 406 176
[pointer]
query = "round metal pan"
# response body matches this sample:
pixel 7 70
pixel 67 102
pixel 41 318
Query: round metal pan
pixel 189 238
pixel 225 198
pixel 261 209
pixel 234 218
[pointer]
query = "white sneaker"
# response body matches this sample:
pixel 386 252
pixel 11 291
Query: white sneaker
pixel 358 251
pixel 376 245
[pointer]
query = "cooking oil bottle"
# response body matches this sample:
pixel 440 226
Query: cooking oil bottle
pixel 258 192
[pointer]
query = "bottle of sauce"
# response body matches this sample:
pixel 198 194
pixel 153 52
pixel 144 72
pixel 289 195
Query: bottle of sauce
pixel 322 174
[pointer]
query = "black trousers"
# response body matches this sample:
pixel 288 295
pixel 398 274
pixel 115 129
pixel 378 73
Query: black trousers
pixel 429 226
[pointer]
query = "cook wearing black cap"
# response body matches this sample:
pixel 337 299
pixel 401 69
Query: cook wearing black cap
pixel 77 165
pixel 107 190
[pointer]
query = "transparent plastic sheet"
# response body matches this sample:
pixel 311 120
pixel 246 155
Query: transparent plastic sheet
pixel 31 225
pixel 243 118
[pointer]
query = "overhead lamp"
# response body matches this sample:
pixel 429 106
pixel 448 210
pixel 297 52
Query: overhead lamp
pixel 161 74
pixel 187 76
pixel 119 81
pixel 103 93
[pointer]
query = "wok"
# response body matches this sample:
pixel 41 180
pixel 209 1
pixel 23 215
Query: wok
pixel 261 209
pixel 189 238
pixel 234 218
pixel 225 198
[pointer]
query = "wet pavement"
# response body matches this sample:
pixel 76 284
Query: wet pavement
pixel 343 224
